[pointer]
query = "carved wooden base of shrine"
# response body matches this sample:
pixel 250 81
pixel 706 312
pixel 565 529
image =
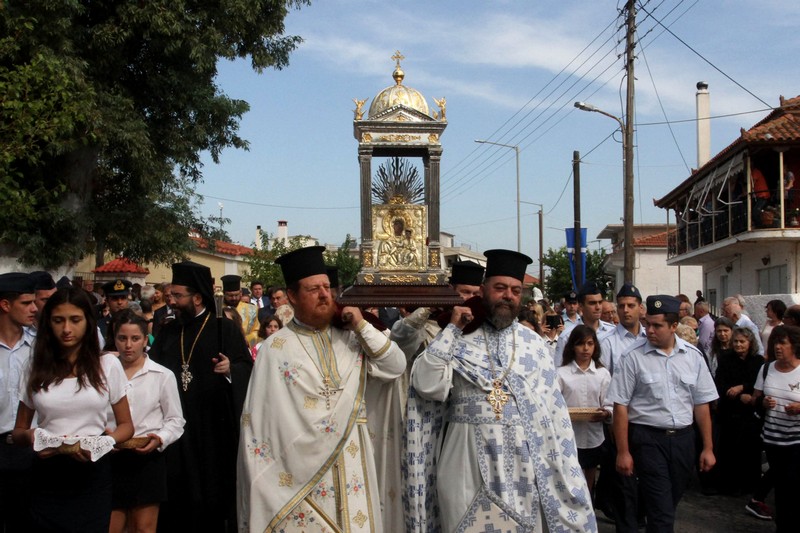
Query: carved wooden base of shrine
pixel 376 295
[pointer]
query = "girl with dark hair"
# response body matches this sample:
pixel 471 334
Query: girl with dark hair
pixel 268 326
pixel 139 474
pixel 584 383
pixel 70 386
pixel 778 388
pixel 739 445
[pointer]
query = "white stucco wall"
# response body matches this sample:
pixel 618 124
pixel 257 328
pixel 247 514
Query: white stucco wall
pixel 653 276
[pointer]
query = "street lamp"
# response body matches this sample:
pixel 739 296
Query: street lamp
pixel 541 241
pixel 516 152
pixel 627 187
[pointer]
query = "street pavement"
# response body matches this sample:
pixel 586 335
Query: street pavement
pixel 698 513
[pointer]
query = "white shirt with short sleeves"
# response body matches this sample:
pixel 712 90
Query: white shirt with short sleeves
pixel 585 388
pixel 64 409
pixel 780 428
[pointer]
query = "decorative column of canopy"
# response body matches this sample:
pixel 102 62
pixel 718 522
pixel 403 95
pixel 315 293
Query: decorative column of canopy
pixel 399 124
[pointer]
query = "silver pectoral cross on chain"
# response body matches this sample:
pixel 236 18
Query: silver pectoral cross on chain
pixel 186 376
pixel 327 392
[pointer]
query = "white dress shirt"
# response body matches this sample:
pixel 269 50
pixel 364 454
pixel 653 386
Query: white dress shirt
pixel 585 388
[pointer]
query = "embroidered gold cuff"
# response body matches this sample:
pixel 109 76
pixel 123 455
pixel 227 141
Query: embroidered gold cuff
pixel 361 325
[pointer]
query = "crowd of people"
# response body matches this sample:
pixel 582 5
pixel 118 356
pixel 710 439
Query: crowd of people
pixel 163 408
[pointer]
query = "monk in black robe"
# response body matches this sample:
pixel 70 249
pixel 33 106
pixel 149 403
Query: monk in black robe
pixel 201 466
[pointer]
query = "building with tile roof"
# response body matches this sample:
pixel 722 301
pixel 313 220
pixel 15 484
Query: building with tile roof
pixel 738 215
pixel 651 273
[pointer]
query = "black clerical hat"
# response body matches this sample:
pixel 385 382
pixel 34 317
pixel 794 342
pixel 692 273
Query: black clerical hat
pixel 661 304
pixel 629 290
pixel 333 276
pixel 466 273
pixel 198 277
pixel 231 282
pixel 43 281
pixel 17 282
pixel 302 263
pixel 506 263
pixel 118 287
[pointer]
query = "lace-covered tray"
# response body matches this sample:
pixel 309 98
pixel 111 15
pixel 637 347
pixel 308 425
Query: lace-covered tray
pixel 132 443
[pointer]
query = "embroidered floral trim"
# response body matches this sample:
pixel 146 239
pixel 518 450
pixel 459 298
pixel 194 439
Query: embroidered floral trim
pixel 355 485
pixel 328 426
pixel 285 479
pixel 260 450
pixel 289 373
pixel 323 491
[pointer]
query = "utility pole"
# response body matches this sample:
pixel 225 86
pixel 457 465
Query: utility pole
pixel 629 257
pixel 576 181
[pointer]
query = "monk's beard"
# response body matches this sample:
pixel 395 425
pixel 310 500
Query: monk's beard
pixel 502 313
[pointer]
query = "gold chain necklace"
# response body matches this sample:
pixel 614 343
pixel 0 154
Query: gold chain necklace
pixel 186 376
pixel 498 398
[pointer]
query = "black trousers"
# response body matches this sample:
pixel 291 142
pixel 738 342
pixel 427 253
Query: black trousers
pixel 15 487
pixel 784 463
pixel 664 463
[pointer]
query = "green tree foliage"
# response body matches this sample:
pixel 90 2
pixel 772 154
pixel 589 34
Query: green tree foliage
pixel 107 108
pixel 559 281
pixel 347 264
pixel 261 265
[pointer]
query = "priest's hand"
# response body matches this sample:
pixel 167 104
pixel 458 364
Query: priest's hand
pixel 222 365
pixel 461 316
pixel 352 316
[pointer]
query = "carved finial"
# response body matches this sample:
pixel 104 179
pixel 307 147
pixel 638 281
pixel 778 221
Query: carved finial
pixel 442 103
pixel 398 73
pixel 358 111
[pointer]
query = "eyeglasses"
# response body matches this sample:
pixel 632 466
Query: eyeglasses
pixel 179 296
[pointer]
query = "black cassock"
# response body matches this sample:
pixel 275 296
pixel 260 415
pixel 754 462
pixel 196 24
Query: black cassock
pixel 201 465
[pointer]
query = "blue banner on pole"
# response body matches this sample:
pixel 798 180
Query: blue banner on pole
pixel 571 255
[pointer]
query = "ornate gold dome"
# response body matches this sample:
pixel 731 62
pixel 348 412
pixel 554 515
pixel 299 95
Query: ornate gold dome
pixel 398 94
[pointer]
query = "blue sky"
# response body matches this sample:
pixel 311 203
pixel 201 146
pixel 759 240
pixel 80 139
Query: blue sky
pixel 510 71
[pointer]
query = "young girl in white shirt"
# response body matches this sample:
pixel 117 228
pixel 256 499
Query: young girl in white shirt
pixel 139 474
pixel 69 385
pixel 584 383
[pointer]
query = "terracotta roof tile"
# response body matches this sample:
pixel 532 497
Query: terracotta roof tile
pixel 781 125
pixel 223 247
pixel 530 280
pixel 120 265
pixel 656 240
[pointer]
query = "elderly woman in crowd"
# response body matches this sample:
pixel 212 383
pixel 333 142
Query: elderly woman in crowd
pixel 739 444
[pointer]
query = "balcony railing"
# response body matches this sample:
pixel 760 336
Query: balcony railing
pixel 763 210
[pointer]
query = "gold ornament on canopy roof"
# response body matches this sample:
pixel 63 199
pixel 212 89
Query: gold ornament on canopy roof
pixel 398 94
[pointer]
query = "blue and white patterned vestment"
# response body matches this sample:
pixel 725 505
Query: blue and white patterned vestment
pixel 466 470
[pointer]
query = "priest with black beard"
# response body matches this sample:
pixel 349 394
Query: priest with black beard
pixel 201 466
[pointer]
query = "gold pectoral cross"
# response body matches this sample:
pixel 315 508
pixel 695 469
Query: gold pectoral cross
pixel 497 398
pixel 186 376
pixel 327 392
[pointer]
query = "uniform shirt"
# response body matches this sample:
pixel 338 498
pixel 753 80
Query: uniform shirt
pixel 585 388
pixel 603 329
pixel 13 359
pixel 616 343
pixel 662 390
